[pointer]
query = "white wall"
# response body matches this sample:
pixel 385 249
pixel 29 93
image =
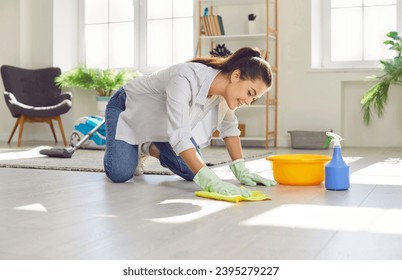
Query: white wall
pixel 27 26
pixel 9 54
pixel 322 100
pixel 384 132
pixel 39 33
pixel 309 100
pixel 65 34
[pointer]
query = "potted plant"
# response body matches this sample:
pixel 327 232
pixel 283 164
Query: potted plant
pixel 104 81
pixel 376 97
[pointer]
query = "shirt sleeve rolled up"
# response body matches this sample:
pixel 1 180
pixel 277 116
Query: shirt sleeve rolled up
pixel 179 98
pixel 228 126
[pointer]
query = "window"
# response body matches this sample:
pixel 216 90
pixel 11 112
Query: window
pixel 109 33
pixel 352 32
pixel 140 34
pixel 169 31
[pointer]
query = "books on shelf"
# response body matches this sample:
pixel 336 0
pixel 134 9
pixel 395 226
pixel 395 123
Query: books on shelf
pixel 212 25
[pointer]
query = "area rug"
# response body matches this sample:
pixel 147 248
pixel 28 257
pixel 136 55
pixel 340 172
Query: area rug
pixel 92 160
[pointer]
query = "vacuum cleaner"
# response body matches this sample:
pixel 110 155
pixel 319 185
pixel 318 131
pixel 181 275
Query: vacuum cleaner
pixel 68 152
pixel 82 127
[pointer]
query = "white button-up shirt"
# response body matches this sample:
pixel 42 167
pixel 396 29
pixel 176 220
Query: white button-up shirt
pixel 172 105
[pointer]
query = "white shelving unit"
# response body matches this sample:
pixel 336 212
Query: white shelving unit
pixel 260 118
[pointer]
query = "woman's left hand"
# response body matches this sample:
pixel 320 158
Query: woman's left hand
pixel 242 173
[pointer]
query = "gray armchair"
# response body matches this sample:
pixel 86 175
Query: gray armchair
pixel 32 96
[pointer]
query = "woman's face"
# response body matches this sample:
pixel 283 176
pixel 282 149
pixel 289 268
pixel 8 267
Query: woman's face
pixel 242 92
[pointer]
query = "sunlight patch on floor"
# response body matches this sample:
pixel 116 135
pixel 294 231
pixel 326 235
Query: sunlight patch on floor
pixel 259 166
pixel 350 160
pixel 36 207
pixel 208 207
pixel 33 153
pixel 105 216
pixel 387 172
pixel 334 218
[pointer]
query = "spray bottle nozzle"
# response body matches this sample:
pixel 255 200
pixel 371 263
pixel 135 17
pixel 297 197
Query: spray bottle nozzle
pixel 332 137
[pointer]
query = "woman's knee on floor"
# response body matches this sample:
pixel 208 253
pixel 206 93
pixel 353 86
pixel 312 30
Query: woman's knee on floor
pixel 119 175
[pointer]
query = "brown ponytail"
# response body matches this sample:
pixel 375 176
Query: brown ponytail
pixel 247 60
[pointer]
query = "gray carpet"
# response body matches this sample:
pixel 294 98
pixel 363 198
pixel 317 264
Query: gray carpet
pixel 92 160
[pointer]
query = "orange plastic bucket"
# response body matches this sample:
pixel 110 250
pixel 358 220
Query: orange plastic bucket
pixel 299 169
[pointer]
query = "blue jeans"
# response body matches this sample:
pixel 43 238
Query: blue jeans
pixel 121 158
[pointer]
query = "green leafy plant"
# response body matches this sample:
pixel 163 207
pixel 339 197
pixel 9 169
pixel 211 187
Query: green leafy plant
pixel 105 82
pixel 376 97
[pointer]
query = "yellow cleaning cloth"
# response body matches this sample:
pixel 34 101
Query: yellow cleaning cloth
pixel 255 196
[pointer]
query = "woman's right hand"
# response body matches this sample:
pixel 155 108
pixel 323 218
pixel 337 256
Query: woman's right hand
pixel 210 182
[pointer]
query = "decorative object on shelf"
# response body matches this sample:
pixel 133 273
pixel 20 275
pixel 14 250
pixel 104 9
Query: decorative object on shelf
pixel 376 97
pixel 252 17
pixel 252 25
pixel 220 51
pixel 264 16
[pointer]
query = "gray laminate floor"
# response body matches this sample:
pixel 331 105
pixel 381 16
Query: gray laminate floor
pixel 77 215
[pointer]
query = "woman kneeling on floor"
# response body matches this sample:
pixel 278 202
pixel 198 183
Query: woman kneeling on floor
pixel 158 115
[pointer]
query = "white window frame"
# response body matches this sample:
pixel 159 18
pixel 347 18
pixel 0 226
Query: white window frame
pixel 321 39
pixel 140 35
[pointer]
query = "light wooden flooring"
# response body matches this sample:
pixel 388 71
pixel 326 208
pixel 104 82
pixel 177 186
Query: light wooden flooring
pixel 77 215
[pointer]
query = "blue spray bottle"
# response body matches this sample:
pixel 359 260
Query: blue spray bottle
pixel 336 171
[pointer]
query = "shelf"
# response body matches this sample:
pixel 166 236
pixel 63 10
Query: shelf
pixel 272 106
pixel 239 36
pixel 244 138
pixel 231 2
pixel 252 106
pixel 261 122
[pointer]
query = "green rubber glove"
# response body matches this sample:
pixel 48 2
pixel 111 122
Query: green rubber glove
pixel 210 182
pixel 242 173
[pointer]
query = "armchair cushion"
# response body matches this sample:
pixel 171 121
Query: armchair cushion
pixel 62 105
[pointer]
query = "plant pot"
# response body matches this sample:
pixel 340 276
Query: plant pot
pixel 101 102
